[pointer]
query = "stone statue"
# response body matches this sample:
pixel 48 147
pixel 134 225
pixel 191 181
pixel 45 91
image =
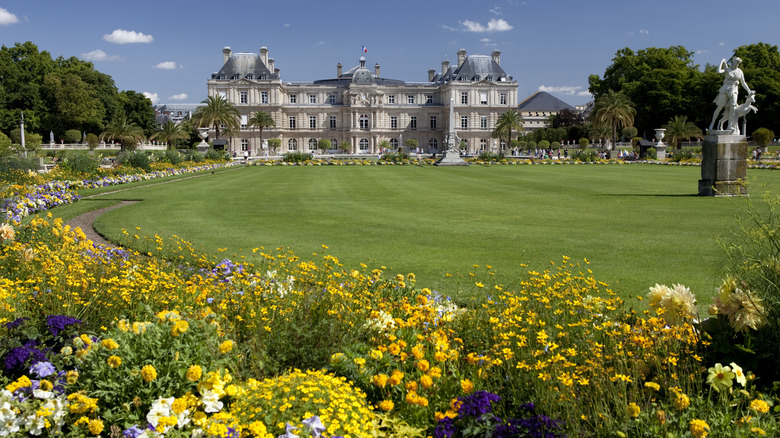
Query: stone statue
pixel 726 100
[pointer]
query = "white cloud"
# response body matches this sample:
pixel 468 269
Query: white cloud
pixel 180 96
pixel 584 93
pixel 644 31
pixel 7 17
pixel 286 24
pixel 485 40
pixel 450 28
pixel 152 96
pixel 721 44
pixel 565 89
pixel 702 52
pixel 496 10
pixel 121 36
pixel 99 55
pixel 321 43
pixel 167 65
pixel 494 25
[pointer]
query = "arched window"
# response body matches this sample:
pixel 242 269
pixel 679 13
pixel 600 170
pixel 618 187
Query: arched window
pixel 433 144
pixel 312 144
pixel 394 143
pixel 482 144
pixel 334 144
pixel 292 145
pixel 363 144
pixel 364 121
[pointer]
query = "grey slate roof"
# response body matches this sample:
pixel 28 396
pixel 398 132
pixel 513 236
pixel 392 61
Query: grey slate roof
pixel 543 101
pixel 359 75
pixel 244 66
pixel 475 68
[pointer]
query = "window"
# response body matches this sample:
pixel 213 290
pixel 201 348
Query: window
pixel 334 144
pixel 242 97
pixel 292 122
pixel 393 122
pixel 433 122
pixel 292 145
pixel 312 98
pixel 482 144
pixel 312 144
pixel 503 145
pixel 223 94
pixel 464 122
pixel 483 98
pixel 312 122
pixel 433 144
pixel 244 144
pixel 410 98
pixel 483 122
pixel 502 98
pixel 429 98
pixel 332 99
pixel 263 97
pixel 244 120
pixel 293 98
pixel 413 122
pixel 332 122
pixel 363 121
pixel 363 144
pixel 394 143
pixel 263 77
pixel 464 98
pixel 391 98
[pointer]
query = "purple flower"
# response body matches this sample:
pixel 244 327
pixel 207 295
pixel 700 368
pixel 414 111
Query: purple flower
pixel 133 432
pixel 17 357
pixel 445 428
pixel 477 404
pixel 15 323
pixel 57 323
pixel 43 369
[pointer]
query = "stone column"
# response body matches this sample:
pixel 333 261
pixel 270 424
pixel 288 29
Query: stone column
pixel 723 165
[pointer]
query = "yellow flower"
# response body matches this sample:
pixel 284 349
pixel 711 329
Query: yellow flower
pixel 759 406
pixel 386 405
pixel 376 354
pixel 148 373
pixel 109 344
pixel 6 232
pixel 467 386
pixel 426 381
pixel 758 431
pixel 72 377
pixel 194 372
pixel 699 428
pixel 179 327
pixel 652 385
pixel 114 361
pixel 380 380
pixel 633 410
pixel 661 417
pixel 226 346
pixel 423 365
pixel 681 401
pixel 95 426
pixel 720 377
pixel 395 378
pixel 45 385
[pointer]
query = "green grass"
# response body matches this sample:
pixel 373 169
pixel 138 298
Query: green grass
pixel 636 224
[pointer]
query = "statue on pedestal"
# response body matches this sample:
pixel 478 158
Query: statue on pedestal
pixel 726 100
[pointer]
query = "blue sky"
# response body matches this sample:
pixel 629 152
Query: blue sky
pixel 169 49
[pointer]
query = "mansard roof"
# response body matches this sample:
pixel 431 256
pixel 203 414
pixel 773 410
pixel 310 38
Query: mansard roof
pixel 543 101
pixel 244 66
pixel 473 69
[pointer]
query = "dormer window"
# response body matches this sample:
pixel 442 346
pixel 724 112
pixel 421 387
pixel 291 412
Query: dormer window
pixel 235 76
pixel 250 76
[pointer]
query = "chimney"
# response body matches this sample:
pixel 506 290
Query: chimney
pixel 264 55
pixel 445 65
pixel 276 72
pixel 461 57
pixel 376 69
pixel 497 56
pixel 431 74
pixel 271 64
pixel 226 52
pixel 338 70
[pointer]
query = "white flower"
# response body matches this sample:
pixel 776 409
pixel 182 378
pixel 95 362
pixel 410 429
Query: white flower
pixel 211 402
pixel 43 395
pixel 9 427
pixel 160 408
pixel 35 424
pixel 739 374
pixel 7 412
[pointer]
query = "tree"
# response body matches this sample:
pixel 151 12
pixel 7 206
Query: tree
pixel 507 122
pixel 170 132
pixel 128 134
pixel 139 110
pixel 566 118
pixel 628 132
pixel 345 146
pixel 323 145
pixel 761 66
pixel 763 137
pixel 679 129
pixel 261 120
pixel 215 112
pixel 274 144
pixel 614 110
pixel 410 143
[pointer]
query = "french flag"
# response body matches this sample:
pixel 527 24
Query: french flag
pixel 365 50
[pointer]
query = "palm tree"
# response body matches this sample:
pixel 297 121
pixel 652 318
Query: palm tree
pixel 169 132
pixel 217 111
pixel 614 110
pixel 261 120
pixel 128 134
pixel 679 129
pixel 507 122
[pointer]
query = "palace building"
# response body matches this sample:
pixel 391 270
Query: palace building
pixel 363 111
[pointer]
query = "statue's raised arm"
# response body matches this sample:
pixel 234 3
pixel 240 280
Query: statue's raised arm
pixel 726 99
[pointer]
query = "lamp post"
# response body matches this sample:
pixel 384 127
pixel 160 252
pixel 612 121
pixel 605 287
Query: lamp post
pixel 21 126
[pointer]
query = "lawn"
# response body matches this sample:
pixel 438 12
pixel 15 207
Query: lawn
pixel 637 225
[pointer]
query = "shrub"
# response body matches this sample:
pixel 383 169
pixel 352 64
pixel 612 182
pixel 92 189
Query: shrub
pixel 585 155
pixel 762 136
pixel 544 144
pixel 137 159
pixel 396 157
pixel 651 154
pixel 72 136
pixel 92 140
pixel 584 142
pixel 9 164
pixel 78 163
pixel 296 157
pixel 681 155
pixel 216 155
pixel 491 156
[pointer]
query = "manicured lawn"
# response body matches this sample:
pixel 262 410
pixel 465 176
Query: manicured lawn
pixel 637 225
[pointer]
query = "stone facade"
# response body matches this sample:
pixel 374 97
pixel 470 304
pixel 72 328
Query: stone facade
pixel 361 109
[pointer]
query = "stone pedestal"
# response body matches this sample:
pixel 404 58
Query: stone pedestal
pixel 451 158
pixel 723 165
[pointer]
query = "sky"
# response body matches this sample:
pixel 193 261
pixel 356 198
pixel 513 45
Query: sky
pixel 169 49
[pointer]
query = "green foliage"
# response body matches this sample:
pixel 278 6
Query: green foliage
pixel 651 154
pixel 585 155
pixel 79 162
pixel 682 155
pixel 92 140
pixel 10 163
pixel 761 66
pixel 410 143
pixel 345 146
pixel 613 109
pixel 139 111
pixel 215 112
pixel 216 155
pixel 274 143
pixel 583 143
pixel 193 155
pixel 555 144
pixel 172 156
pixel 491 156
pixel 127 133
pixel 628 132
pixel 72 136
pixel 544 144
pixel 763 137
pixel 532 145
pixel 679 129
pixel 396 157
pixel 324 144
pixel 296 157
pixel 508 122
pixel 170 133
pixel 137 159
